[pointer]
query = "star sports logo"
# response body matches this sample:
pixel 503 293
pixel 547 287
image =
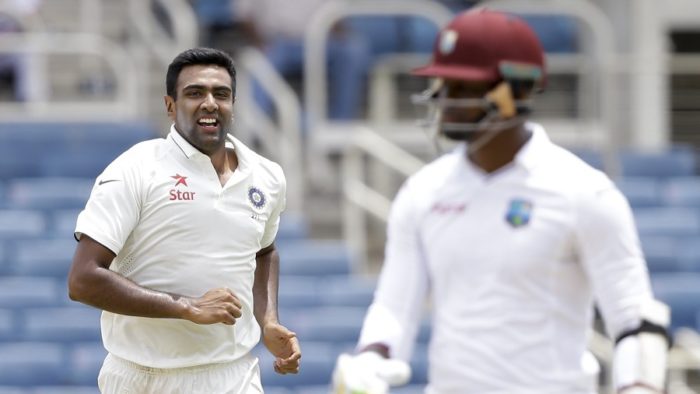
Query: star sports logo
pixel 179 195
pixel 181 180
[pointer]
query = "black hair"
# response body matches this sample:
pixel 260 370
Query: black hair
pixel 198 56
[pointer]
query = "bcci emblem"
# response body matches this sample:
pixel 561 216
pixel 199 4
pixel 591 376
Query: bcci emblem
pixel 256 197
pixel 519 212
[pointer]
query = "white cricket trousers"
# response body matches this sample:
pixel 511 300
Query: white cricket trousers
pixel 119 376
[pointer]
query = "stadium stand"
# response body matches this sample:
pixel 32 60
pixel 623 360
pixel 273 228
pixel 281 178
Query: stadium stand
pixel 33 149
pixel 682 191
pixel 26 291
pixel 66 390
pixel 665 220
pixel 300 291
pixel 43 256
pixel 62 222
pixel 31 363
pixel 641 191
pixel 48 192
pixel 12 390
pixel 8 325
pixel 661 252
pixel 680 290
pixel 17 224
pixel 85 360
pixel 677 161
pixel 62 324
pixel 313 257
pixel 49 345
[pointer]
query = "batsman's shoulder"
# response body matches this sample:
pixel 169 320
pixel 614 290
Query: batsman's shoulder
pixel 437 171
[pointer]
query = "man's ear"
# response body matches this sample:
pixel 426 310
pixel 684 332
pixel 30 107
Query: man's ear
pixel 169 106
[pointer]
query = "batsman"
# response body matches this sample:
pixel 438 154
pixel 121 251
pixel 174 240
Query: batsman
pixel 512 239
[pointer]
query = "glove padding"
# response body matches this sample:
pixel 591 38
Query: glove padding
pixel 368 373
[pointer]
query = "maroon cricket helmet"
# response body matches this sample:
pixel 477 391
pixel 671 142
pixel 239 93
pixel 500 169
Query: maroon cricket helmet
pixel 486 45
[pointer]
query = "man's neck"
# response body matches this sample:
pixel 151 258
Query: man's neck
pixel 225 162
pixel 501 149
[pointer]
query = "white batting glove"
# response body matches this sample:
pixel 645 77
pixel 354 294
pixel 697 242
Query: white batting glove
pixel 368 373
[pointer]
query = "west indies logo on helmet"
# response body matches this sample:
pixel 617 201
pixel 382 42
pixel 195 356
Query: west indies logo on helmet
pixel 482 45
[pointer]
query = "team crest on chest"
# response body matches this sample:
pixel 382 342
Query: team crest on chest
pixel 519 212
pixel 256 197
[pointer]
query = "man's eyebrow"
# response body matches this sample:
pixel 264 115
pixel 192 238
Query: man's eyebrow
pixel 202 87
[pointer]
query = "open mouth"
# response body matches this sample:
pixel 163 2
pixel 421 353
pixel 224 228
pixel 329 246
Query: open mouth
pixel 208 123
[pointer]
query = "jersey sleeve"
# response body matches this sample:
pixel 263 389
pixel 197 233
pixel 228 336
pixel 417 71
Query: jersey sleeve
pixel 273 222
pixel 612 258
pixel 394 317
pixel 113 209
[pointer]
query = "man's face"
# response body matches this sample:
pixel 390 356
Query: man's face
pixel 457 89
pixel 204 105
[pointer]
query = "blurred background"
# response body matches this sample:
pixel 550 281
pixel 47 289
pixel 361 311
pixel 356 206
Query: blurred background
pixel 324 89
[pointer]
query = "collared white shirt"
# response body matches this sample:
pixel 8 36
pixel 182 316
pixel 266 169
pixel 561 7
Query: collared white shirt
pixel 161 209
pixel 513 261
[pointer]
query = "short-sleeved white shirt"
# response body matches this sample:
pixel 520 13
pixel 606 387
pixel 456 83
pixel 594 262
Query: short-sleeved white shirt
pixel 513 261
pixel 161 209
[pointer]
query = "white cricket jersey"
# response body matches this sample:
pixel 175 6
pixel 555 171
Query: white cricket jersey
pixel 513 261
pixel 161 209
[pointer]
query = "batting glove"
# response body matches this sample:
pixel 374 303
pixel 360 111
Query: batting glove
pixel 368 373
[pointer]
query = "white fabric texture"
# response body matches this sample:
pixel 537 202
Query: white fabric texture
pixel 161 209
pixel 119 376
pixel 513 262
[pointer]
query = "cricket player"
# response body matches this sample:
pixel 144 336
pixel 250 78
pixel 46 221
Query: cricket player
pixel 176 246
pixel 513 238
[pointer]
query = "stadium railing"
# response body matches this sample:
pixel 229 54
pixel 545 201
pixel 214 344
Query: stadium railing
pixel 41 44
pixel 281 138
